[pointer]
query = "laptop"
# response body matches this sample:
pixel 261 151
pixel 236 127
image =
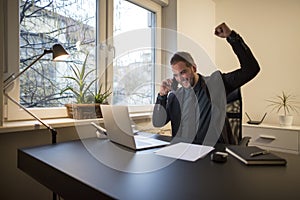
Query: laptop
pixel 119 130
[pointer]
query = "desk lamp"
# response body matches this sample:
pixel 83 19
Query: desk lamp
pixel 59 54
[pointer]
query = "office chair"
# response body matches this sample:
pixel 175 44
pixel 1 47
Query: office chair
pixel 234 116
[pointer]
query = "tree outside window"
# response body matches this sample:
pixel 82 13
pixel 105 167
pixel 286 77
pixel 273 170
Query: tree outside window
pixel 43 23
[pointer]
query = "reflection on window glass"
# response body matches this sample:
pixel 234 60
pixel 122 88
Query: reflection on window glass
pixel 133 69
pixel 44 23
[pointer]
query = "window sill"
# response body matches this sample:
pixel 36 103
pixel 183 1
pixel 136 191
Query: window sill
pixel 16 126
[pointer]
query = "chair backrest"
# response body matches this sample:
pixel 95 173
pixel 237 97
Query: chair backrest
pixel 234 114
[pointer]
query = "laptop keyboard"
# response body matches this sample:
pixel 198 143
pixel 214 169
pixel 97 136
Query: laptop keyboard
pixel 145 134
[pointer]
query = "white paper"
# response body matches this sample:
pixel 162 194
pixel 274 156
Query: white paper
pixel 185 151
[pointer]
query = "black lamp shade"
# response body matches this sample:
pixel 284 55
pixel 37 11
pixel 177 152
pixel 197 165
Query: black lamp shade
pixel 59 53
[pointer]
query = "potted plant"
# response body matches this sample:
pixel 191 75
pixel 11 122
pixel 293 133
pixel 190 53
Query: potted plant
pixel 100 96
pixel 286 103
pixel 87 103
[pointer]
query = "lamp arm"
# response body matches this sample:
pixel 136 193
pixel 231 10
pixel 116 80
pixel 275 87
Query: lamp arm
pixel 51 129
pixel 8 81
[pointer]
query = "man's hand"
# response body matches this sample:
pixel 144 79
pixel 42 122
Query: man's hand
pixel 222 31
pixel 165 87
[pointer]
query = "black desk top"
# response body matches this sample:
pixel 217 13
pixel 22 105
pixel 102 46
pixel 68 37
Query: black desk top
pixel 94 169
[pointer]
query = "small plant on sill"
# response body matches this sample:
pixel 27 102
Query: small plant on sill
pixel 87 102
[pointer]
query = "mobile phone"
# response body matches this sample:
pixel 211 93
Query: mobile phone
pixel 174 84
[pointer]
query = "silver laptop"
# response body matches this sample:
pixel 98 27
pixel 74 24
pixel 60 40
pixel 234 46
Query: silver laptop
pixel 119 130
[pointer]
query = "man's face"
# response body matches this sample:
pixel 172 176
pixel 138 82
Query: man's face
pixel 183 74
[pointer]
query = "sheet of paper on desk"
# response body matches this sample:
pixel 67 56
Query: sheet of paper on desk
pixel 185 151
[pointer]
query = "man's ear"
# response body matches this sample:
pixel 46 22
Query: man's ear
pixel 194 68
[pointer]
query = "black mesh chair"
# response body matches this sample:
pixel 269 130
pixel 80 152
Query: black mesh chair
pixel 234 114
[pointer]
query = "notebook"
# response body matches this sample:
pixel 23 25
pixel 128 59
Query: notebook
pixel 119 130
pixel 253 155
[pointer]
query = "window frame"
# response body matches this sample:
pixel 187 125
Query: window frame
pixel 104 30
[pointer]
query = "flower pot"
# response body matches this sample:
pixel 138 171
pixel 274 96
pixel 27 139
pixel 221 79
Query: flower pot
pixel 285 120
pixel 84 111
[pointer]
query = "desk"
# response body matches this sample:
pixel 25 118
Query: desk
pixel 71 171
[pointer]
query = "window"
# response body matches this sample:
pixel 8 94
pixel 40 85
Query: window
pixel 133 44
pixel 81 27
pixel 133 68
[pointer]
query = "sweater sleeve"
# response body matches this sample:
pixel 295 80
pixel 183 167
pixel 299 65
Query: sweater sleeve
pixel 249 66
pixel 160 115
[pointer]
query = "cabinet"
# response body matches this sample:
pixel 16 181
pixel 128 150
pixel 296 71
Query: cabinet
pixel 273 137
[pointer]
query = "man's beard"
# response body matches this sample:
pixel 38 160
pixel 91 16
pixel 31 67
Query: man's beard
pixel 188 83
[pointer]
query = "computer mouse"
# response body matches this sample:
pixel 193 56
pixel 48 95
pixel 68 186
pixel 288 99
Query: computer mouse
pixel 219 156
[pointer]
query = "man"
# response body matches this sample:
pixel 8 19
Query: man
pixel 192 109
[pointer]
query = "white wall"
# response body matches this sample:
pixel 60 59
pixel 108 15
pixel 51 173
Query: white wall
pixel 272 30
pixel 195 27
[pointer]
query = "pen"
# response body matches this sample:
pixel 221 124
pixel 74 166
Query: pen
pixel 259 153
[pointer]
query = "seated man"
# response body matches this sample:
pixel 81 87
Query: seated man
pixel 192 108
